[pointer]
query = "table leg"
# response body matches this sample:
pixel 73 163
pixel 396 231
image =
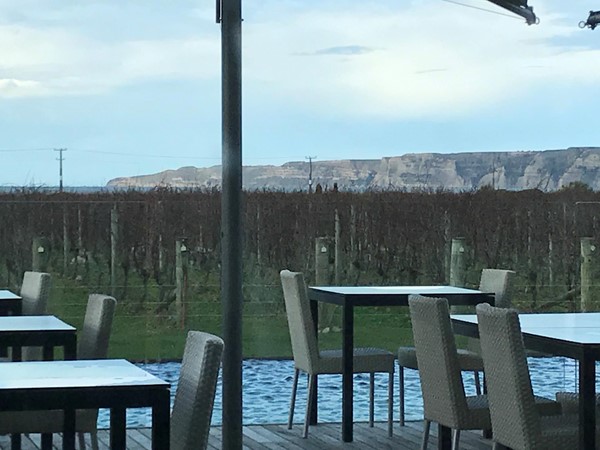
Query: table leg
pixel 160 422
pixel 48 353
pixel 444 438
pixel 314 411
pixel 587 401
pixel 68 431
pixel 15 441
pixel 70 348
pixel 348 371
pixel 117 429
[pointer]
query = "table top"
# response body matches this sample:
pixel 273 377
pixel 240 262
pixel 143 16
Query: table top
pixel 33 323
pixel 75 374
pixel 8 295
pixel 394 295
pixel 580 328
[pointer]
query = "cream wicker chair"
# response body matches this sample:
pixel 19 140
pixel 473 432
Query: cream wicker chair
pixel 194 398
pixel 92 344
pixel 444 399
pixel 495 281
pixel 516 421
pixel 35 292
pixel 308 358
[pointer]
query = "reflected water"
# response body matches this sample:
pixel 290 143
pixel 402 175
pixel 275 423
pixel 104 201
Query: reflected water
pixel 267 388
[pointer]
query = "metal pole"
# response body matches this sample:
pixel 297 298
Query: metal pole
pixel 231 220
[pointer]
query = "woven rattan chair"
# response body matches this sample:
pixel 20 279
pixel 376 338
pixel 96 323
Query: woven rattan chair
pixel 35 292
pixel 195 395
pixel 516 421
pixel 308 358
pixel 496 281
pixel 444 399
pixel 92 344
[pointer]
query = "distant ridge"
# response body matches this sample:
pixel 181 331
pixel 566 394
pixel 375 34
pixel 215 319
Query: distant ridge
pixel 545 170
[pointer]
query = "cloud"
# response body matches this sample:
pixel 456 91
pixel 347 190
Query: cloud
pixel 344 50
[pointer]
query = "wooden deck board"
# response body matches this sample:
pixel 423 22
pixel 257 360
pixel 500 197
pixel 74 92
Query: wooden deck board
pixel 271 437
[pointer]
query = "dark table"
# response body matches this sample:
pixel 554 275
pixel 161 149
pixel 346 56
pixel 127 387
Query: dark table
pixel 69 385
pixel 574 335
pixel 10 304
pixel 38 331
pixel 349 297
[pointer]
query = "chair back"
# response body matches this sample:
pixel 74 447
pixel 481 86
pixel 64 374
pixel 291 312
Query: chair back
pixel 500 282
pixel 35 292
pixel 439 370
pixel 300 322
pixel 97 326
pixel 195 394
pixel 515 421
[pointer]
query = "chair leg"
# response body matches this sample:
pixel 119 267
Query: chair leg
pixel 426 427
pixel 47 441
pixel 477 382
pixel 309 401
pixel 401 383
pixel 81 439
pixel 371 399
pixel 391 405
pixel 94 439
pixel 455 439
pixel 293 400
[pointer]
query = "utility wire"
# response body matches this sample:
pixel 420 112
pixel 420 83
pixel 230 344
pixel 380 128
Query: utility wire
pixel 15 150
pixel 481 9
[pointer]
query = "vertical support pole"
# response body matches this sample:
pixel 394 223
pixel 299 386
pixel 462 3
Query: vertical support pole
pixel 231 220
pixel 322 278
pixel 114 248
pixel 590 264
pixel 181 277
pixel 458 263
pixel 40 254
pixel 65 241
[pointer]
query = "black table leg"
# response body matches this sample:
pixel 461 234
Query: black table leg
pixel 314 411
pixel 348 371
pixel 587 402
pixel 444 438
pixel 48 352
pixel 15 441
pixel 68 430
pixel 47 441
pixel 117 429
pixel 70 347
pixel 160 422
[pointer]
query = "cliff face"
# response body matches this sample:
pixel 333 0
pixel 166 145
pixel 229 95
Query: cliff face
pixel 546 170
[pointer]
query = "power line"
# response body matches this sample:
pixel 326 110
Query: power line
pixel 480 9
pixel 18 150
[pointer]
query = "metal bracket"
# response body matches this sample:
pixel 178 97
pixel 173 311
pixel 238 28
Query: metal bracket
pixel 592 21
pixel 520 8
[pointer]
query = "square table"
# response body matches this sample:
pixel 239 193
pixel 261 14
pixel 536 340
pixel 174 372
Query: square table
pixel 33 331
pixel 105 383
pixel 349 297
pixel 574 335
pixel 10 303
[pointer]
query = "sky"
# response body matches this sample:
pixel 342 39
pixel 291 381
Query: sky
pixel 133 87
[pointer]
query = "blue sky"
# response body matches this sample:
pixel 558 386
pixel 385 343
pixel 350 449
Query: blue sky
pixel 132 87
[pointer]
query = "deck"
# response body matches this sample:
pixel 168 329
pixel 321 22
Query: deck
pixel 323 436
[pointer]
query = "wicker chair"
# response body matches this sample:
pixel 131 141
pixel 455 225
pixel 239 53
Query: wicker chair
pixel 194 398
pixel 492 280
pixel 35 291
pixel 516 421
pixel 308 358
pixel 444 399
pixel 92 344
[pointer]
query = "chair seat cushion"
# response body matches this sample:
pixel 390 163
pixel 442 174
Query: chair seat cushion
pixel 468 360
pixel 366 359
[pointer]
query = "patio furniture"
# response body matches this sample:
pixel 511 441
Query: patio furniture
pixel 92 344
pixel 574 335
pixel 444 399
pixel 308 358
pixel 194 398
pixel 496 281
pixel 11 304
pixel 35 291
pixel 516 421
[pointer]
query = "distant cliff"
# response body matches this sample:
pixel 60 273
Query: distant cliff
pixel 546 170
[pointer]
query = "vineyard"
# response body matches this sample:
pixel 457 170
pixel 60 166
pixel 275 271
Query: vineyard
pixel 158 253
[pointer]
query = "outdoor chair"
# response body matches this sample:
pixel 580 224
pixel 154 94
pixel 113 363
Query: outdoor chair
pixel 444 399
pixel 195 395
pixel 92 344
pixel 516 421
pixel 496 281
pixel 35 291
pixel 308 358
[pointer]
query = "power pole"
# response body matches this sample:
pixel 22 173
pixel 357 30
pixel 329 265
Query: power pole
pixel 310 158
pixel 60 170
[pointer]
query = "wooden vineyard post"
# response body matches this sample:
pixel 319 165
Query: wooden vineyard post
pixel 322 277
pixel 114 248
pixel 458 267
pixel 181 280
pixel 40 253
pixel 590 272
